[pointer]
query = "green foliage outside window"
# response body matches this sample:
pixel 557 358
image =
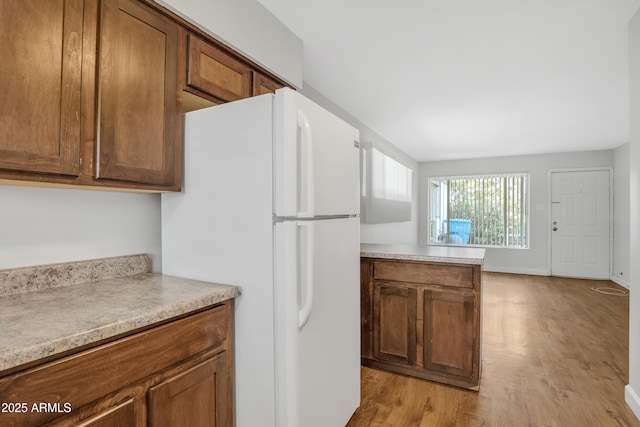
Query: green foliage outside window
pixel 479 210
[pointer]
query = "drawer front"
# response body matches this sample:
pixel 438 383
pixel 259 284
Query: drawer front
pixel 214 72
pixel 262 84
pixel 84 377
pixel 425 273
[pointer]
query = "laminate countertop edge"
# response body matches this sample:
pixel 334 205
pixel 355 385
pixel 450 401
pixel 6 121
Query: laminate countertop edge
pixel 46 322
pixel 444 254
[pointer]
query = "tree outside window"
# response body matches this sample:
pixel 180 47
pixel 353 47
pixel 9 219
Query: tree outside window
pixel 490 210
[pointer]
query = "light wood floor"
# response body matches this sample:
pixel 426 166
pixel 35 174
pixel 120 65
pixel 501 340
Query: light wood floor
pixel 554 353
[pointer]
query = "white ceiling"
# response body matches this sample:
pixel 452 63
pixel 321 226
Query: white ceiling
pixel 468 78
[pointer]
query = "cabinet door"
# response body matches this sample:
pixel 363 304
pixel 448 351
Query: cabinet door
pixel 263 84
pixel 366 308
pixel 394 324
pixel 198 397
pixel 41 53
pixel 449 332
pixel 138 116
pixel 216 73
pixel 122 415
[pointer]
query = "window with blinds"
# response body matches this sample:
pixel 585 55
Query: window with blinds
pixel 488 210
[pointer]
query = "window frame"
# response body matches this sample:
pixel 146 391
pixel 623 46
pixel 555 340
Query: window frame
pixel 527 208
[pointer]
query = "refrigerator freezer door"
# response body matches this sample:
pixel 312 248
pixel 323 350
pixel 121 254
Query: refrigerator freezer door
pixel 317 361
pixel 316 158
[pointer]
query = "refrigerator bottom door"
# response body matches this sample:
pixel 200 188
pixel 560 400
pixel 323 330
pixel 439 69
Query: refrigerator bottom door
pixel 317 322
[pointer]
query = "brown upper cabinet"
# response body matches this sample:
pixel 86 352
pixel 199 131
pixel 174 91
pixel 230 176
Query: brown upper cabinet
pixel 138 111
pixel 93 91
pixel 216 73
pixel 263 84
pixel 90 95
pixel 40 71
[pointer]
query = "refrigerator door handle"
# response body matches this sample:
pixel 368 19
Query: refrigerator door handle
pixel 306 169
pixel 306 268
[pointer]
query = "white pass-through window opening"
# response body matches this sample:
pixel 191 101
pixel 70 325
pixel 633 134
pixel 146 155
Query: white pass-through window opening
pixel 391 180
pixel 386 189
pixel 482 210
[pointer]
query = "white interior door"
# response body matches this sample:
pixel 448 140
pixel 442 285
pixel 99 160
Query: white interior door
pixel 580 236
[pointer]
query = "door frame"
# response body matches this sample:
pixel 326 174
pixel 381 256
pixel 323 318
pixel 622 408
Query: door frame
pixel 549 219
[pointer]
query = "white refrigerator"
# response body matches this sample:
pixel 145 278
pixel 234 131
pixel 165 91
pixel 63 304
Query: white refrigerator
pixel 271 204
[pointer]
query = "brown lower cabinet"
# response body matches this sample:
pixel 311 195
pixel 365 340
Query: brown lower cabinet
pixel 422 319
pixel 176 374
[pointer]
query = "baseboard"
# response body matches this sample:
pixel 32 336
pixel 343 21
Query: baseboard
pixel 537 272
pixel 620 281
pixel 632 399
pixel 529 271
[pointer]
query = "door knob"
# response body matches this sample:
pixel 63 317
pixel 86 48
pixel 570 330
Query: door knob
pixel 555 228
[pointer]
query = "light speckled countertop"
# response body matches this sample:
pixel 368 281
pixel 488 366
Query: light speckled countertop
pixel 450 254
pixel 52 309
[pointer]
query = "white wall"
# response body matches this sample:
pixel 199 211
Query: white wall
pixel 533 260
pixel 620 267
pixel 632 390
pixel 249 28
pixel 397 232
pixel 49 225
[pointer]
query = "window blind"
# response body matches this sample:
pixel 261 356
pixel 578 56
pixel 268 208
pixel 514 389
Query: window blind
pixel 485 210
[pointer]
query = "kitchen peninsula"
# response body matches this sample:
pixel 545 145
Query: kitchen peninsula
pixel 420 311
pixel 107 342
